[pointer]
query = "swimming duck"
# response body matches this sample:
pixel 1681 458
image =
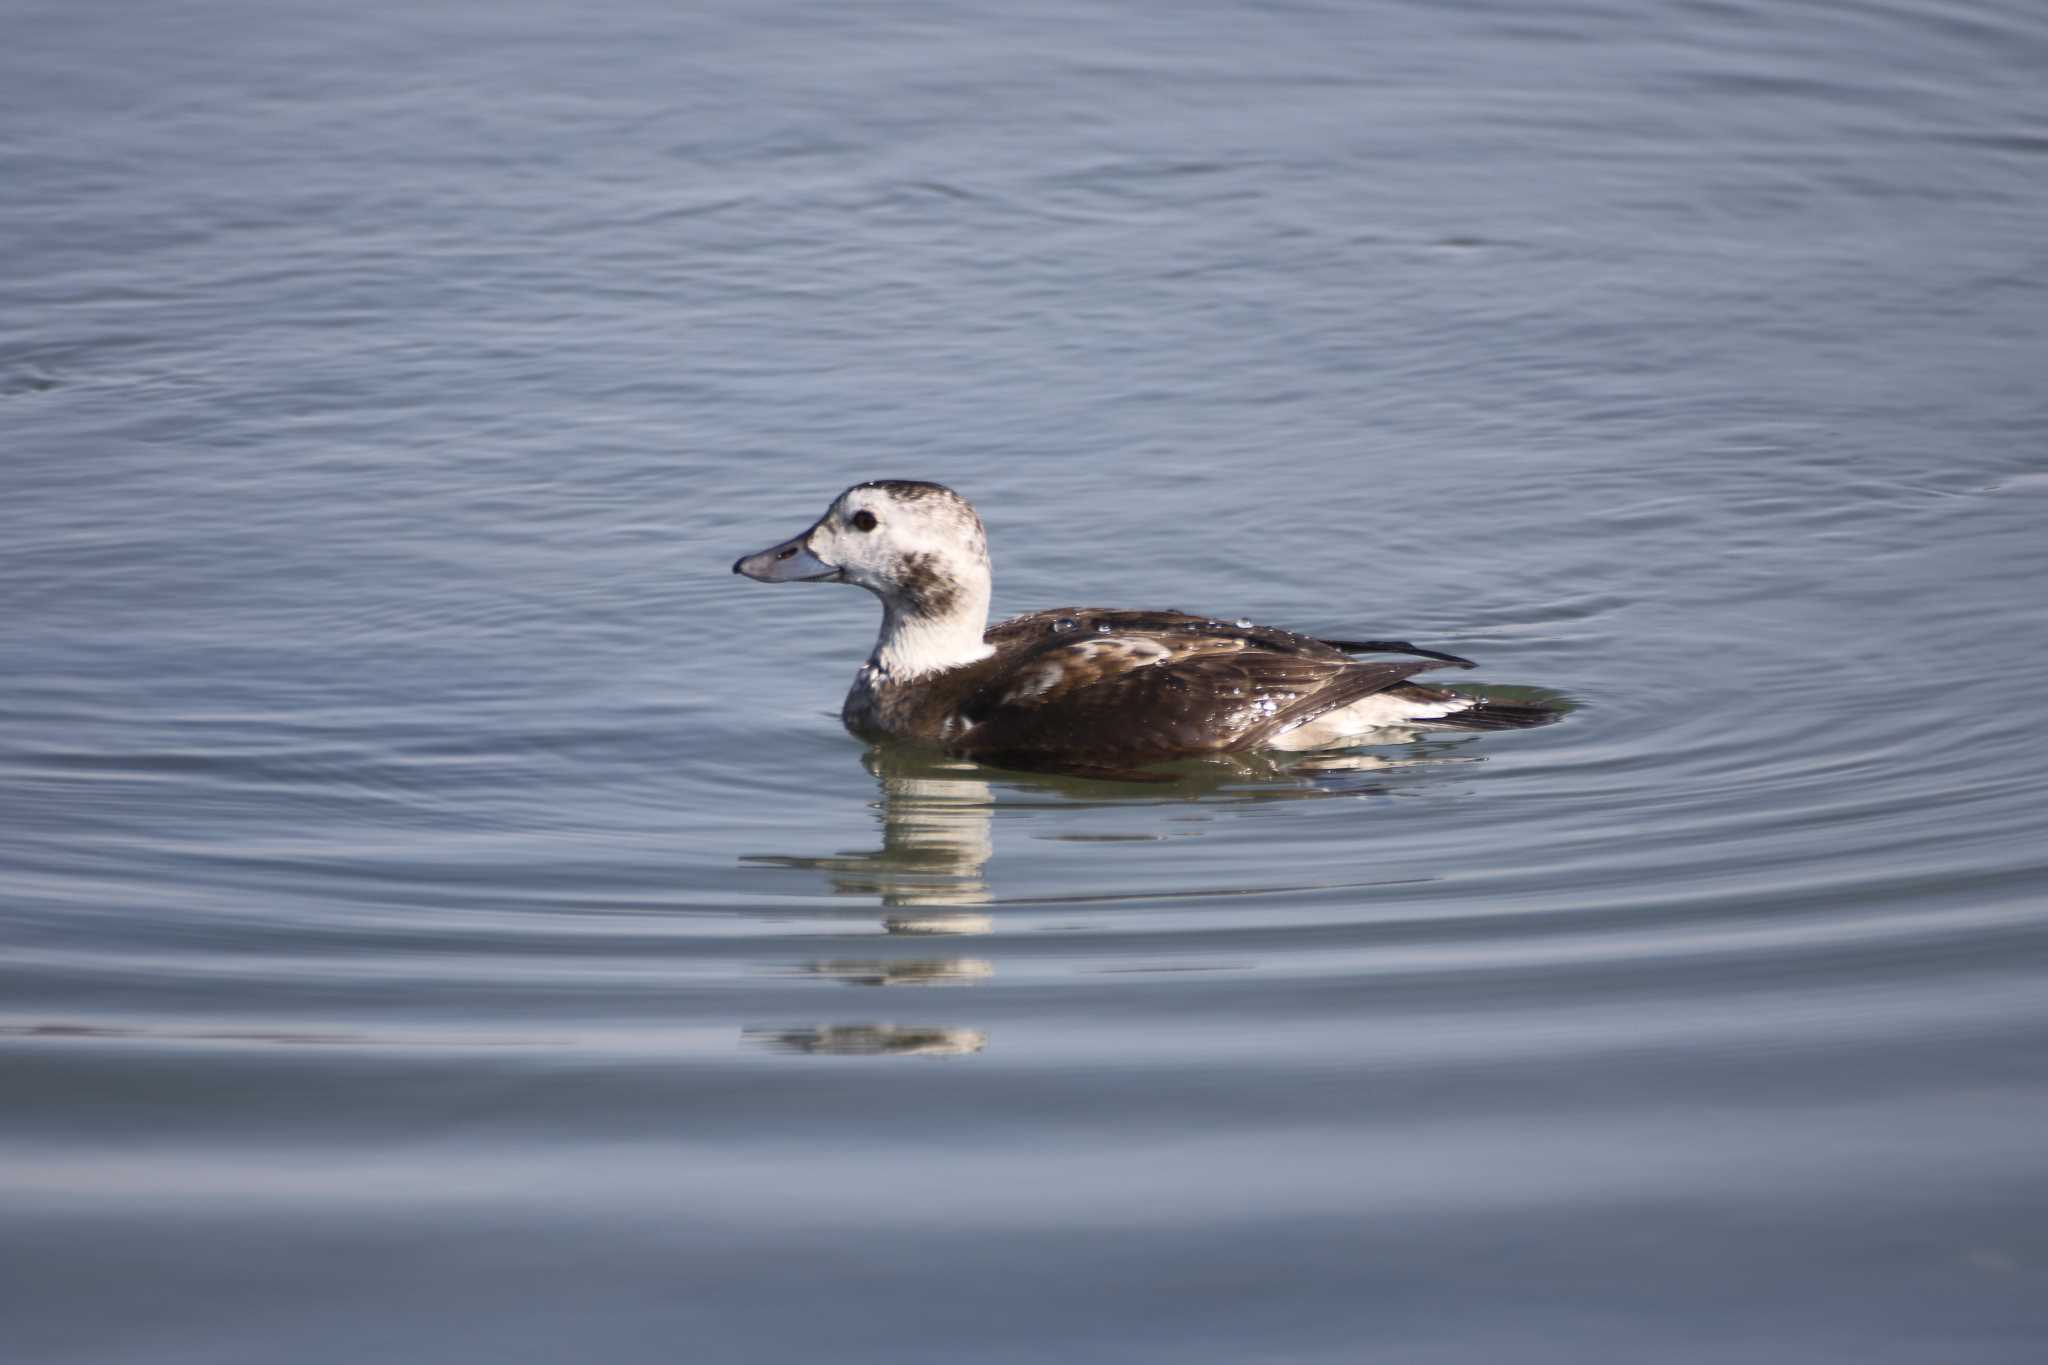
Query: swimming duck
pixel 1087 691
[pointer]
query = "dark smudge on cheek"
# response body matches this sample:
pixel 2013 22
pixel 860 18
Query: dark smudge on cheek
pixel 927 589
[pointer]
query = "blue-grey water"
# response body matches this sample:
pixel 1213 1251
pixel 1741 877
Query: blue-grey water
pixel 441 919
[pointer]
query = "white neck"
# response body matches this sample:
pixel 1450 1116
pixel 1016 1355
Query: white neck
pixel 911 645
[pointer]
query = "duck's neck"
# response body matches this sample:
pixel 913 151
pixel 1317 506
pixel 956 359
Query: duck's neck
pixel 915 643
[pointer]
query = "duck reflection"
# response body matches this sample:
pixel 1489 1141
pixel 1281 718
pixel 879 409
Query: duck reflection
pixel 956 971
pixel 870 1040
pixel 935 815
pixel 931 871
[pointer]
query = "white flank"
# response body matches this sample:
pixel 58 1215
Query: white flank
pixel 1363 716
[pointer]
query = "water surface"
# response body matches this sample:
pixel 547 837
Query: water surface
pixel 444 921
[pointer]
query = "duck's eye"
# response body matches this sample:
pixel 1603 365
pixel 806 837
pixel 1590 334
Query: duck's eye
pixel 863 520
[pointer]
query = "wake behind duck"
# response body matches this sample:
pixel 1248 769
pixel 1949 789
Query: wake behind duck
pixel 1088 691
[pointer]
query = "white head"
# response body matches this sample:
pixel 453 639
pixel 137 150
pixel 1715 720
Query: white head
pixel 917 546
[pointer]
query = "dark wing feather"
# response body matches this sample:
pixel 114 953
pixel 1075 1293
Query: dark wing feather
pixel 1148 696
pixel 1115 712
pixel 1355 682
pixel 1396 647
pixel 1064 624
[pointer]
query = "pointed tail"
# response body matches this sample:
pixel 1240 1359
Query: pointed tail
pixel 1501 715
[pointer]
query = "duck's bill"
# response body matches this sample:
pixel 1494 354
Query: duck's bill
pixel 789 562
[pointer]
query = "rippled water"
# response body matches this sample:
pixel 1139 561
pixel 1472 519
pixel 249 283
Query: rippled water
pixel 443 919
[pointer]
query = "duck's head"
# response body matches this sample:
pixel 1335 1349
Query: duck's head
pixel 917 546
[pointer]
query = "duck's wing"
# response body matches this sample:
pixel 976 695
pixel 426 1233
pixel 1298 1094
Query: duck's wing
pixel 1121 700
pixel 1069 623
pixel 1395 647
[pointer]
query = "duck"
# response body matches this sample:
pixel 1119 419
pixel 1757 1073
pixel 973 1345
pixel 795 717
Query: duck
pixel 1089 691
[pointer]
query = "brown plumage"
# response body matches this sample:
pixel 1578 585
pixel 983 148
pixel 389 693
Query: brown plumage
pixel 1130 688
